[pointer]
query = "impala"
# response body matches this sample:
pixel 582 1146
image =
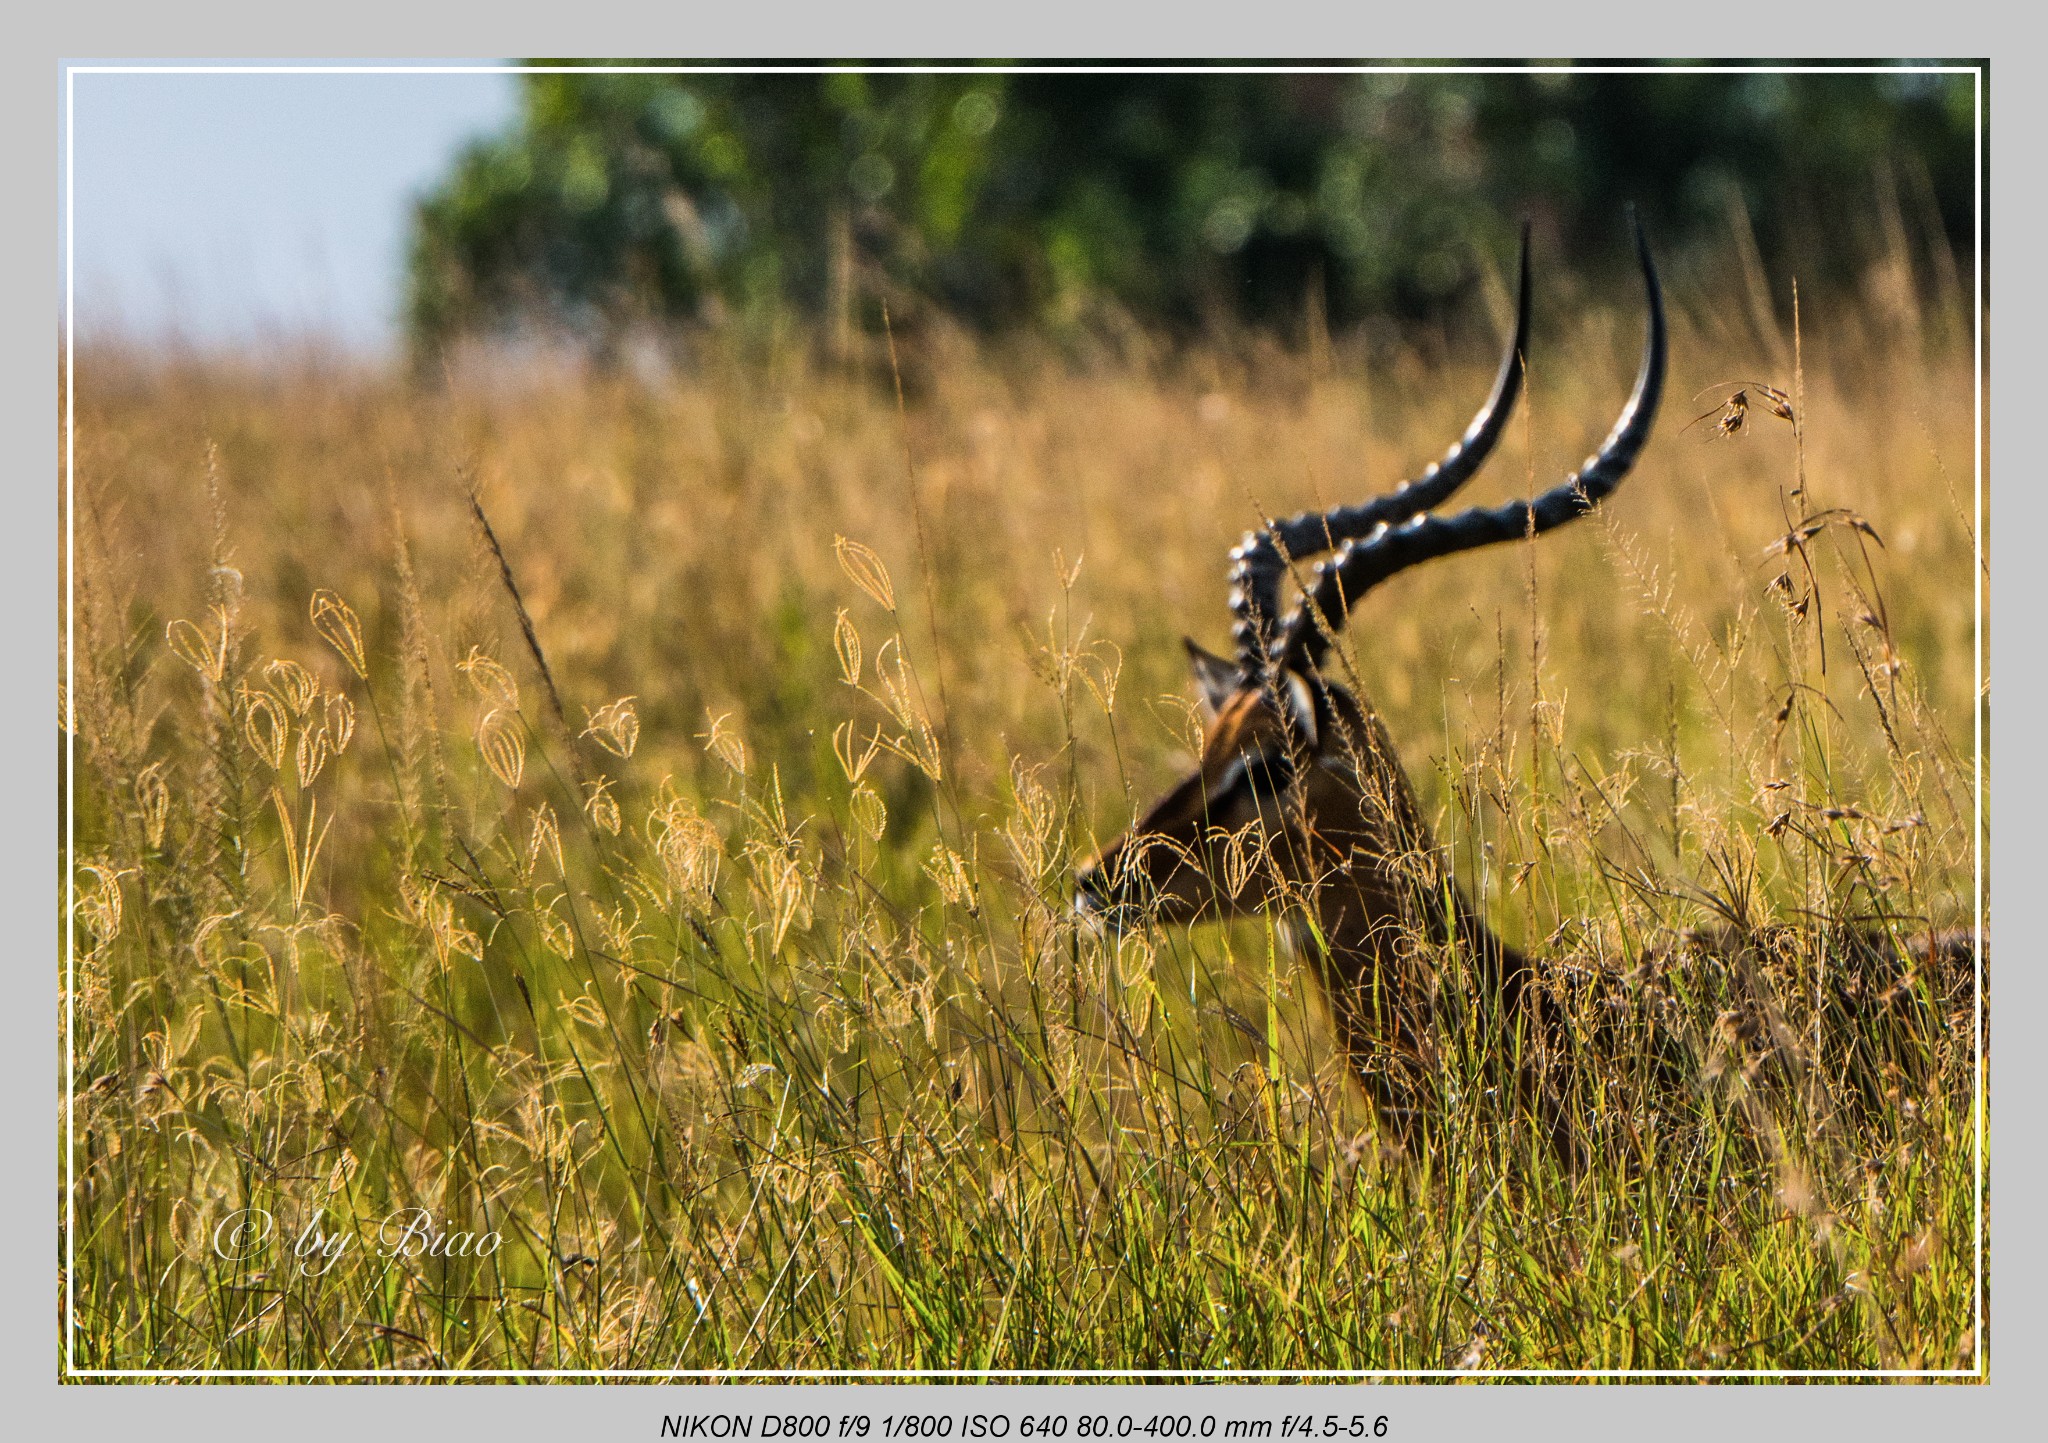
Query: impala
pixel 1297 771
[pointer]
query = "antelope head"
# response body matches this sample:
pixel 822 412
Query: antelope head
pixel 1297 784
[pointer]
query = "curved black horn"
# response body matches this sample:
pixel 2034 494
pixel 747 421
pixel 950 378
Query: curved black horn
pixel 1359 565
pixel 1261 559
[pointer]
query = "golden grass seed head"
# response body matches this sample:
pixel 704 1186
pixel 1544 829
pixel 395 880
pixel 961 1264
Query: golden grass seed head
pixel 846 644
pixel 311 754
pixel 98 906
pixel 153 800
pixel 1243 850
pixel 555 934
pixel 601 806
pixel 616 727
pixel 493 684
pixel 545 840
pixel 503 745
pixel 207 657
pixel 1137 960
pixel 786 884
pixel 686 846
pixel 619 926
pixel 953 874
pixel 292 684
pixel 265 727
pixel 844 739
pixel 346 1164
pixel 864 568
pixel 446 932
pixel 724 742
pixel 341 721
pixel 869 812
pixel 336 622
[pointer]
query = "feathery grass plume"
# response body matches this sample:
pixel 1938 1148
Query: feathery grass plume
pixel 419 726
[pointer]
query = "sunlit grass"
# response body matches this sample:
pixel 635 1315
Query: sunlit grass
pixel 725 970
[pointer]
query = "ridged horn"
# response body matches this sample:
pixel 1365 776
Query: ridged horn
pixel 1261 559
pixel 1361 564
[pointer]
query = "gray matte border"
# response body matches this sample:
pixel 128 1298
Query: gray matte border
pixel 32 585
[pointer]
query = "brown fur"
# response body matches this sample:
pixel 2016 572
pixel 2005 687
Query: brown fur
pixel 1347 844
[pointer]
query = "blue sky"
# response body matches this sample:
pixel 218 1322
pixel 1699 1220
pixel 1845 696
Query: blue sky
pixel 230 210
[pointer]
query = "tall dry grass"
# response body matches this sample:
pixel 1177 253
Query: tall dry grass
pixel 721 964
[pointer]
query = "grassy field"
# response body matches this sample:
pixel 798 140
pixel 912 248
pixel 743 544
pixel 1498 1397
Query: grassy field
pixel 706 995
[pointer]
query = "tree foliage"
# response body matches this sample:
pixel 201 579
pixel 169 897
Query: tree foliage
pixel 1007 196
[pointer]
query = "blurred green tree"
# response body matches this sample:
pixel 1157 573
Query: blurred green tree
pixel 1182 199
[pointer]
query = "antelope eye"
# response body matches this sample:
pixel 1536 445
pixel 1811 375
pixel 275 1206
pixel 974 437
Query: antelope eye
pixel 1269 772
pixel 1263 774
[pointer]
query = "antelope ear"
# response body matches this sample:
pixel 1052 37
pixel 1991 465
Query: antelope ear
pixel 1216 678
pixel 1302 703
